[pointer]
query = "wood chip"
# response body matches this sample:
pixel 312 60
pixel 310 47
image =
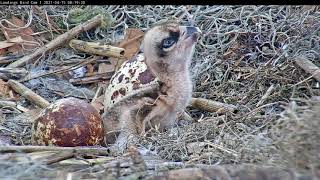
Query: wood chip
pixel 212 106
pixel 309 67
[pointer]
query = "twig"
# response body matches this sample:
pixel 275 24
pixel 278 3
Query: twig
pixel 43 15
pixel 221 148
pixel 266 95
pixel 185 116
pixel 7 104
pixel 28 149
pixel 12 105
pixel 59 41
pixel 62 157
pixel 208 119
pixel 242 171
pixel 92 79
pixel 96 48
pixel 59 71
pixel 9 59
pixel 258 108
pixel 212 106
pixel 97 94
pixel 28 94
pixel 309 67
pixel 10 73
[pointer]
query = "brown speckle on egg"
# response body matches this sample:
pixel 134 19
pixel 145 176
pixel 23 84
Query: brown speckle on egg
pixel 146 77
pixel 127 79
pixel 135 85
pixel 115 95
pixel 132 72
pixel 132 75
pixel 122 91
pixel 120 78
pixel 68 122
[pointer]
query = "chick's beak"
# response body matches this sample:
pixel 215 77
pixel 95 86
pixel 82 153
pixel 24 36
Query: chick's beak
pixel 193 32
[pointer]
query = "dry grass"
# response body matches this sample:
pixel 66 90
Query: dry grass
pixel 244 51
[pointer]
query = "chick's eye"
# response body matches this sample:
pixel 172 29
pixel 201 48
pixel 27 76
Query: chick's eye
pixel 168 42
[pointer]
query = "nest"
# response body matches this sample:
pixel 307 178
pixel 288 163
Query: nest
pixel 246 58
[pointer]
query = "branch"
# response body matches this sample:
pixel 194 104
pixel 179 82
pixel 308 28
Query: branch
pixel 59 41
pixel 28 149
pixel 28 94
pixel 92 79
pixel 96 48
pixel 212 106
pixel 10 73
pixel 309 67
pixel 266 95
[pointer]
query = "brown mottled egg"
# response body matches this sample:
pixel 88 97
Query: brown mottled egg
pixel 68 122
pixel 131 76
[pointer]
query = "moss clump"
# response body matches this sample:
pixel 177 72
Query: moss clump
pixel 78 15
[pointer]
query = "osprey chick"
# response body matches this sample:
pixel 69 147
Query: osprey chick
pixel 154 86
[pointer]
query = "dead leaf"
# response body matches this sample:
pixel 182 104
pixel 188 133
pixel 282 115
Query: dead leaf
pixel 98 103
pixel 90 69
pixel 10 42
pixel 25 34
pixel 13 96
pixel 104 68
pixel 131 43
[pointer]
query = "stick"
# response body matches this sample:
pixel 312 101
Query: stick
pixel 8 104
pixel 309 67
pixel 9 59
pixel 10 73
pixel 62 157
pixel 13 105
pixel 266 95
pixel 28 94
pixel 28 149
pixel 225 172
pixel 212 106
pixel 185 116
pixel 59 71
pixel 96 48
pixel 51 23
pixel 103 68
pixel 59 41
pixel 92 79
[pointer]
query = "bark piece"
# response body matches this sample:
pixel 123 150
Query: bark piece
pixel 309 67
pixel 96 48
pixel 212 106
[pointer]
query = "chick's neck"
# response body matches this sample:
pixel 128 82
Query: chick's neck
pixel 175 81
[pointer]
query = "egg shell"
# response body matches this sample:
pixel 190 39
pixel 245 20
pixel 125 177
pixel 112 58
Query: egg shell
pixel 131 76
pixel 68 122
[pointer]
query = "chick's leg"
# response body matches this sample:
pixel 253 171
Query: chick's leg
pixel 129 125
pixel 162 115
